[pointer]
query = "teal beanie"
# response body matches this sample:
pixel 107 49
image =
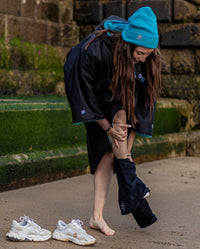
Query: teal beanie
pixel 142 29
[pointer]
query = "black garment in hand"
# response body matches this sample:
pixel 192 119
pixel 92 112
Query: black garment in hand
pixel 144 215
pixel 131 193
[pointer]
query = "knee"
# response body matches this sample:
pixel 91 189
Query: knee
pixel 120 116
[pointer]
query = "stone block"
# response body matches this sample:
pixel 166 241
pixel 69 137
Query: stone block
pixel 117 8
pixel 13 28
pixel 182 86
pixel 197 60
pixel 183 61
pixel 18 172
pixel 11 7
pixel 66 11
pixel 69 34
pixel 53 35
pixel 159 147
pixel 196 113
pixel 196 2
pixel 184 11
pixel 162 8
pixel 181 35
pixel 28 8
pixel 33 31
pixel 47 11
pixel 88 12
pixel 166 57
pixel 85 30
pixel 2 26
pixel 193 144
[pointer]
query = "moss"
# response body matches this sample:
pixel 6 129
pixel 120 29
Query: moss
pixel 4 56
pixel 38 123
pixel 43 166
pixel 167 120
pixel 159 147
pixel 30 68
pixel 23 131
pixel 23 158
pixel 33 99
pixel 33 106
pixel 30 173
pixel 29 81
pixel 22 55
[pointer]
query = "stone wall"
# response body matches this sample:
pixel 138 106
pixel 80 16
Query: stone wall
pixel 58 23
pixel 179 29
pixel 39 21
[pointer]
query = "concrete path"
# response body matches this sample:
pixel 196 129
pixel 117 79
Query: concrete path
pixel 175 199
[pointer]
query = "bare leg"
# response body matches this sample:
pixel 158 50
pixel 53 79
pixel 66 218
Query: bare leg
pixel 102 179
pixel 103 175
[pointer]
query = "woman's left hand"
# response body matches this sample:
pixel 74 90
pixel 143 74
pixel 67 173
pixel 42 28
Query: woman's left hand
pixel 119 132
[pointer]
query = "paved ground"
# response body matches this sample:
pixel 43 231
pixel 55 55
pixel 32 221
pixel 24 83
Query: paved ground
pixel 175 198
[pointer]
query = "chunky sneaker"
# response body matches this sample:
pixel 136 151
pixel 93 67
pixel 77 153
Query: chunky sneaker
pixel 73 232
pixel 27 230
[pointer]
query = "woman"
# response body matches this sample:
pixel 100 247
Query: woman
pixel 112 82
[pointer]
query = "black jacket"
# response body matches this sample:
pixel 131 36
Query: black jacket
pixel 84 70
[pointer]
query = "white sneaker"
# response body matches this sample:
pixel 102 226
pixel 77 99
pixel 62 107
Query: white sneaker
pixel 73 232
pixel 27 230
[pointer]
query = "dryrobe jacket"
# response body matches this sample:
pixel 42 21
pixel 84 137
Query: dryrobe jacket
pixel 83 71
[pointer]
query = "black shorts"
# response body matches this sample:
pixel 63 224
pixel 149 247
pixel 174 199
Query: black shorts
pixel 98 142
pixel 97 139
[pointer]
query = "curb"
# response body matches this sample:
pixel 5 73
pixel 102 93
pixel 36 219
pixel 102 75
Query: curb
pixel 27 169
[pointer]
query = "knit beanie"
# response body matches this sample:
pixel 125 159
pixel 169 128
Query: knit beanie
pixel 142 29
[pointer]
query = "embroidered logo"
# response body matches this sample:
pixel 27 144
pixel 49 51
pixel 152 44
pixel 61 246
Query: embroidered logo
pixel 83 112
pixel 139 37
pixel 139 77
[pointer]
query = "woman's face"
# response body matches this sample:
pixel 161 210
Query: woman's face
pixel 141 53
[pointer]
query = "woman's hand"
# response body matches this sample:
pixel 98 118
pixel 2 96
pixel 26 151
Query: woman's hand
pixel 118 132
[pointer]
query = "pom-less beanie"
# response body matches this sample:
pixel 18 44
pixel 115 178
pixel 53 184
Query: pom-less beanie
pixel 141 28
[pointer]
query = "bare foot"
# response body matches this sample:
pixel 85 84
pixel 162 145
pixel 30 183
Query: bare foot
pixel 101 225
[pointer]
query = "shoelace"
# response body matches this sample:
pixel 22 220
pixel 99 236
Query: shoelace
pixel 26 218
pixel 78 224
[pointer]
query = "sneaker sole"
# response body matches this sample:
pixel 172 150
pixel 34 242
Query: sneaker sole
pixel 18 239
pixel 58 236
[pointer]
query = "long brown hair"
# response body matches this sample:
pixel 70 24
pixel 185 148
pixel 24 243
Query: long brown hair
pixel 123 81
